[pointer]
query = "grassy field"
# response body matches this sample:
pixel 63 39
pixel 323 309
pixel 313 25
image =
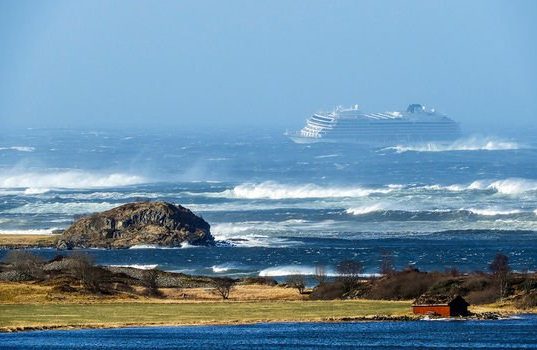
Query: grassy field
pixel 35 306
pixel 25 241
pixel 25 316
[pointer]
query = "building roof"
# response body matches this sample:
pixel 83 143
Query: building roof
pixel 438 299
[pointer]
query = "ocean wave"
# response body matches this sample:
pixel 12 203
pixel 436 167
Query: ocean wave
pixel 71 179
pixel 286 270
pixel 509 186
pixel 493 211
pixel 47 231
pixel 469 144
pixel 61 208
pixel 227 267
pixel 274 190
pixel 366 209
pixel 138 266
pixel 256 233
pixel 18 148
pixel 394 213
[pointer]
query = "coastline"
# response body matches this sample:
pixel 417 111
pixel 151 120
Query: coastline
pixel 341 319
pixel 36 308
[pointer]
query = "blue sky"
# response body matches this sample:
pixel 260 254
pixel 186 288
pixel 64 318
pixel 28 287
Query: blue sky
pixel 180 64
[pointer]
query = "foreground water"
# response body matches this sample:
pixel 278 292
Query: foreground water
pixel 279 208
pixel 514 333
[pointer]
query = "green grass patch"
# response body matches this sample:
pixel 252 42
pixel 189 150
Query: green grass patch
pixel 124 314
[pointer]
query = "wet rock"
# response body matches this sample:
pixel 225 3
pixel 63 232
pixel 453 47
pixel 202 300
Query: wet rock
pixel 141 223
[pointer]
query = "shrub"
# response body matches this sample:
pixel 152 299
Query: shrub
pixel 25 263
pixel 484 296
pixel 408 284
pixel 81 267
pixel 320 274
pixel 296 281
pixel 349 273
pixel 328 291
pixel 223 286
pixel 527 301
pixel 150 281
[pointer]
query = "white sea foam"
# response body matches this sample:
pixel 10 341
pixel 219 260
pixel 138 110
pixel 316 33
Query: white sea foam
pixel 47 231
pixel 492 211
pixel 469 144
pixel 509 186
pixel 286 270
pixel 18 148
pixel 36 190
pixel 139 266
pixel 366 209
pixel 274 190
pixel 61 208
pixel 327 156
pixel 71 179
pixel 226 267
pixel 256 233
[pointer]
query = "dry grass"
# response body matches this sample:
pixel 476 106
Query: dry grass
pixel 30 293
pixel 26 241
pixel 501 307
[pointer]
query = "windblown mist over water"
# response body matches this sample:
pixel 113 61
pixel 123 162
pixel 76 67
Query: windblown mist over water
pixel 275 206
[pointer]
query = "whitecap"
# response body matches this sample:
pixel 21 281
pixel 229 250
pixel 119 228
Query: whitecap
pixel 71 179
pixel 36 190
pixel 61 208
pixel 222 268
pixel 138 266
pixel 47 231
pixel 492 211
pixel 366 209
pixel 468 144
pixel 274 190
pixel 18 148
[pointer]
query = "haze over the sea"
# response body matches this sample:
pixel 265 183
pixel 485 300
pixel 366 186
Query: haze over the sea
pixel 103 64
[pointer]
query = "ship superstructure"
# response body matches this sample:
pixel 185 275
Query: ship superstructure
pixel 415 124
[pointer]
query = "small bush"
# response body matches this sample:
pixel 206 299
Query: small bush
pixel 484 296
pixel 328 291
pixel 81 267
pixel 223 286
pixel 296 281
pixel 150 281
pixel 527 301
pixel 25 263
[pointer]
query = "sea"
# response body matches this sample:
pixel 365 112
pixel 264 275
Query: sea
pixel 279 208
pixel 514 333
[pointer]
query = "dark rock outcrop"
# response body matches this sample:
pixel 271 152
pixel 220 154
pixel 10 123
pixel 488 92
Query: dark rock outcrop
pixel 140 223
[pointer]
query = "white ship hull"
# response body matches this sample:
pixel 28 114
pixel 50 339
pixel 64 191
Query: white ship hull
pixel 415 125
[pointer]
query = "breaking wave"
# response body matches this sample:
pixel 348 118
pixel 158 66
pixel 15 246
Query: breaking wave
pixel 286 270
pixel 18 148
pixel 470 144
pixel 71 179
pixel 61 208
pixel 274 190
pixel 510 186
pixel 432 214
pixel 227 267
pixel 366 209
pixel 138 266
pixel 28 231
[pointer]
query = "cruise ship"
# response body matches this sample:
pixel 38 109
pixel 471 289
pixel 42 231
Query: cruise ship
pixel 416 124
